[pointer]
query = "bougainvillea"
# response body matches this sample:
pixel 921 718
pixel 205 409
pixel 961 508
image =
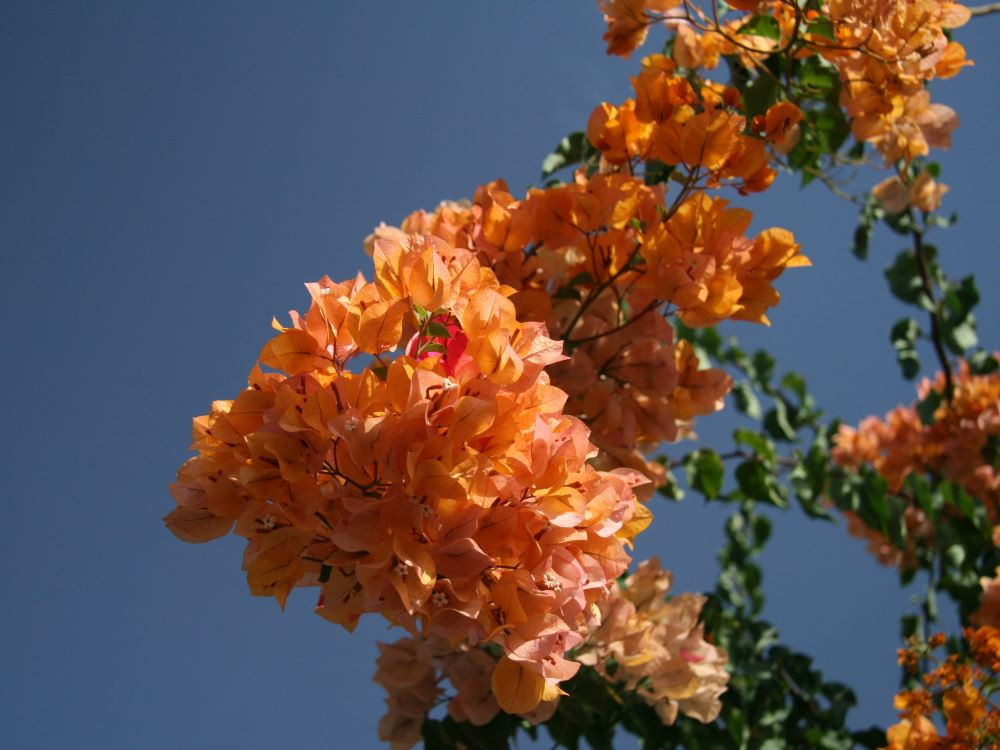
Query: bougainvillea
pixel 466 444
pixel 440 485
pixel 955 440
pixel 958 686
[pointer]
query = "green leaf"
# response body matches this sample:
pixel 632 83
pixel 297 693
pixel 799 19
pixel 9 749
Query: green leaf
pixel 956 312
pixel 927 406
pixel 963 336
pixel 437 330
pixel 756 482
pixel 862 240
pixel 829 128
pixel 762 370
pixel 820 75
pixel 955 554
pixel 776 422
pixel 705 472
pixel 657 172
pixel 671 490
pixel 809 476
pixel 758 443
pixel 765 26
pixel 422 314
pixel 746 400
pixel 868 217
pixel 572 149
pixel 904 278
pixel 795 383
pixel 821 27
pixel 983 362
pixel 943 222
pixel 568 292
pixel 901 223
pixel 904 336
pixel 759 95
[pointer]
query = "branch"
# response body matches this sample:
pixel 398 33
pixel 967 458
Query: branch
pixel 985 10
pixel 925 278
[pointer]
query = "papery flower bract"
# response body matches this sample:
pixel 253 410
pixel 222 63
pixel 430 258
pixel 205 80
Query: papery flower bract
pixel 423 487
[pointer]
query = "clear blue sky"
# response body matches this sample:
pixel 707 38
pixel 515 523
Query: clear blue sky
pixel 170 174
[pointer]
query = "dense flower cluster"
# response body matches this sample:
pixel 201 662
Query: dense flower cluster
pixel 599 260
pixel 959 686
pixel 652 645
pixel 656 646
pixel 700 130
pixel 459 444
pixel 441 486
pixel 886 52
pixel 958 445
pixel 883 52
pixel 411 671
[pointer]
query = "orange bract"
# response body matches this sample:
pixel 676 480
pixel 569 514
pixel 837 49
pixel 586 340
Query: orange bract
pixel 442 488
pixel 657 646
pixel 951 446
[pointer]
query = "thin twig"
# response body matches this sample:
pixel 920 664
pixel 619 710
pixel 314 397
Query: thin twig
pixel 985 10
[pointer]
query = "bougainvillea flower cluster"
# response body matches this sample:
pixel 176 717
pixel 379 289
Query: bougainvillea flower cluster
pixel 656 646
pixel 957 688
pixel 642 640
pixel 440 485
pixel 601 259
pixel 955 444
pixel 460 444
pixel 884 54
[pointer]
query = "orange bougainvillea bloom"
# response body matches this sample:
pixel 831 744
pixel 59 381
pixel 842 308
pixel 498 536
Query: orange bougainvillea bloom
pixel 658 648
pixel 441 485
pixel 629 21
pixel 958 686
pixel 598 259
pixel 923 193
pixel 885 53
pixel 897 48
pixel 916 734
pixel 989 608
pixel 951 446
pixel 700 131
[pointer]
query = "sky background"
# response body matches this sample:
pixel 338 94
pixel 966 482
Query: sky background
pixel 170 175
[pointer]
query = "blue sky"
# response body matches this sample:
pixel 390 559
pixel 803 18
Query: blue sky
pixel 171 174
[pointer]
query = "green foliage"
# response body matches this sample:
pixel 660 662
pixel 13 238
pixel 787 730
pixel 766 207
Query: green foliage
pixel 765 26
pixel 705 471
pixel 572 150
pixel 957 321
pixel 904 336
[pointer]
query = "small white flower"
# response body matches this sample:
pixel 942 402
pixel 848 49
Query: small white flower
pixel 267 522
pixel 551 583
pixel 351 424
pixel 400 569
pixel 439 599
